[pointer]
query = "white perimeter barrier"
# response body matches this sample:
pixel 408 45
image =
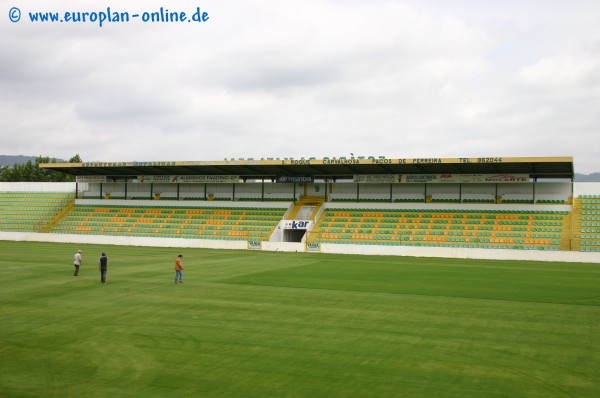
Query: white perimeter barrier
pixel 440 252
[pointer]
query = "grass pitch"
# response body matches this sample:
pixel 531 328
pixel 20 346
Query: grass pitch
pixel 257 324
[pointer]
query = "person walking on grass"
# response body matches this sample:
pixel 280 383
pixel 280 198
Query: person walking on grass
pixel 77 262
pixel 179 269
pixel 103 266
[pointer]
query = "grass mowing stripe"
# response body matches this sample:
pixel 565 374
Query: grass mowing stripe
pixel 538 282
pixel 349 333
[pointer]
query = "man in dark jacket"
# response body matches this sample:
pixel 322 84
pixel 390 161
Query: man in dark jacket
pixel 102 266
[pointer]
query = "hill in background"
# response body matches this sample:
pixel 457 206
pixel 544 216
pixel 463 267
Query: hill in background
pixel 594 177
pixel 10 160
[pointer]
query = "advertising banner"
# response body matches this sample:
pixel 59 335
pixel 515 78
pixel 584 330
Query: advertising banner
pixel 189 179
pixel 296 224
pixel 90 179
pixel 254 244
pixel 313 247
pixel 294 179
pixel 376 178
pixel 440 178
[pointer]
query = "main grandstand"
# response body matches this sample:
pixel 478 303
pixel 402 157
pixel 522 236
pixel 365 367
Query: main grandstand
pixel 486 207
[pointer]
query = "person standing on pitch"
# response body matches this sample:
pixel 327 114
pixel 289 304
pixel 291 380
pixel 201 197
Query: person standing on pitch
pixel 77 262
pixel 179 269
pixel 102 266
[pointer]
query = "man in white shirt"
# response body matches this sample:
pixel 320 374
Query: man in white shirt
pixel 77 261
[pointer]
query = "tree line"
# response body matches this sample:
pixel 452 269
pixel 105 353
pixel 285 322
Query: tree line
pixel 31 171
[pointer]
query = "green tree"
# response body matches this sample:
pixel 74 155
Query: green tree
pixel 31 171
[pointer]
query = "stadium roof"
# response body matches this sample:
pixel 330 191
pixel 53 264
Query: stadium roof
pixel 333 168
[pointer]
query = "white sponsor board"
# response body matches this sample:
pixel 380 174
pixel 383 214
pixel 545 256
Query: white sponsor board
pixel 440 178
pixel 90 179
pixel 254 244
pixel 376 178
pixel 190 179
pixel 296 224
pixel 313 247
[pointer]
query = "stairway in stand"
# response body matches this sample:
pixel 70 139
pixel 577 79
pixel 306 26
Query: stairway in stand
pixel 306 208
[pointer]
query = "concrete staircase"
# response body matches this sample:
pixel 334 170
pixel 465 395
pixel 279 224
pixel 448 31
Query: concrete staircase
pixel 575 229
pixel 45 228
pixel 306 208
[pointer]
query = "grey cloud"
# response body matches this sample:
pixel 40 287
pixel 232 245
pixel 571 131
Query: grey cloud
pixel 310 78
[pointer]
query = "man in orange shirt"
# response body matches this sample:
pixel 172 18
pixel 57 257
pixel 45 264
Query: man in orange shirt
pixel 179 269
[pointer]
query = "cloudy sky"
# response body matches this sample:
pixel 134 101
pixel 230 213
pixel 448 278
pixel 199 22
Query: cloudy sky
pixel 269 78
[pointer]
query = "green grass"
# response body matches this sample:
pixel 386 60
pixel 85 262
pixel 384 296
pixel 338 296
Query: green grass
pixel 259 324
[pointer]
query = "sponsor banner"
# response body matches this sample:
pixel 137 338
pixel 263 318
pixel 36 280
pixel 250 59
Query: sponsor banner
pixel 294 179
pixel 313 247
pixel 463 178
pixel 296 224
pixel 189 179
pixel 90 179
pixel 507 178
pixel 354 160
pixel 254 244
pixel 440 178
pixel 420 178
pixel 376 178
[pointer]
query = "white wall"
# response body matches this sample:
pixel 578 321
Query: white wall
pixel 87 190
pixel 248 191
pixel 137 190
pixel 448 206
pixel 488 254
pixel 586 188
pixel 187 203
pixel 37 187
pixel 169 190
pixel 316 189
pixel 443 252
pixel 123 240
pixel 219 190
pixel 191 190
pixel 553 191
pixel 516 191
pixel 444 191
pixel 343 190
pixel 408 191
pixel 281 191
pixel 479 191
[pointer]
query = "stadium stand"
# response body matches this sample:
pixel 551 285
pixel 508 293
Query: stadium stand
pixel 586 223
pixel 32 211
pixel 485 204
pixel 172 222
pixel 518 229
pixel 466 228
